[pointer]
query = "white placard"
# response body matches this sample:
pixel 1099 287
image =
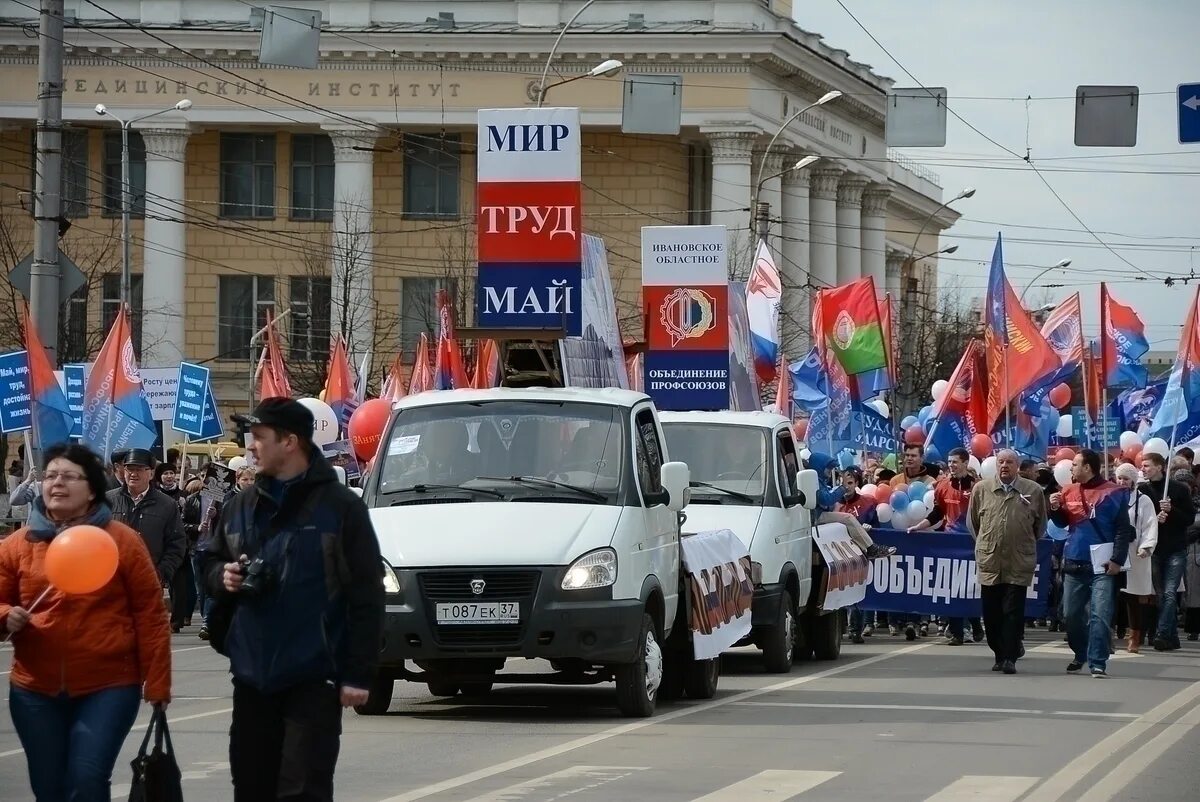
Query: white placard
pixel 522 145
pixel 846 577
pixel 684 256
pixel 720 590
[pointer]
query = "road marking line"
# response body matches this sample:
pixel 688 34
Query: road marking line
pixel 1017 711
pixel 142 724
pixel 1125 772
pixel 592 777
pixel 773 784
pixel 983 788
pixel 1057 785
pixel 634 726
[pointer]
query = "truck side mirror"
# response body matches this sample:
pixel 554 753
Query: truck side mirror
pixel 675 478
pixel 808 489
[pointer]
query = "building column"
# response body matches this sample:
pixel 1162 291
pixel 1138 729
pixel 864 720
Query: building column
pixel 164 248
pixel 849 229
pixel 730 193
pixel 795 319
pixel 823 191
pixel 874 235
pixel 893 281
pixel 353 271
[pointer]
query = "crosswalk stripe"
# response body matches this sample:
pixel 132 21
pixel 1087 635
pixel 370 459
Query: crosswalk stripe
pixel 775 785
pixel 981 788
pixel 567 782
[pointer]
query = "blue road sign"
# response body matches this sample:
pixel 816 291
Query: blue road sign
pixel 190 399
pixel 14 390
pixel 75 379
pixel 1189 113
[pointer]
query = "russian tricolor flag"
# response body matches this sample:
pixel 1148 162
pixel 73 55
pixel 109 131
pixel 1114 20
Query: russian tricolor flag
pixel 763 292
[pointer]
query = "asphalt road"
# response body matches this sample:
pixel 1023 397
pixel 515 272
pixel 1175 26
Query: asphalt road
pixel 889 721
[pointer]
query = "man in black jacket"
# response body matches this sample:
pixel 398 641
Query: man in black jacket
pixel 297 557
pixel 154 514
pixel 1175 514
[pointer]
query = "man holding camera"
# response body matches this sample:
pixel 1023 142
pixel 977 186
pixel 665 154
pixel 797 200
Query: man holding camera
pixel 294 561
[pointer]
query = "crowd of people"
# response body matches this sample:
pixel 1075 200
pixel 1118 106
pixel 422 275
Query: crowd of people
pixel 1144 518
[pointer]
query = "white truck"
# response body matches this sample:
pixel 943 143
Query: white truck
pixel 745 477
pixel 533 523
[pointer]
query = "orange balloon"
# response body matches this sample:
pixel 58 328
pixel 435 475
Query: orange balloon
pixel 81 559
pixel 367 425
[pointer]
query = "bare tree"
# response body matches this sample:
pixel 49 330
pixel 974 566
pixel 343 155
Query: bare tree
pixel 933 333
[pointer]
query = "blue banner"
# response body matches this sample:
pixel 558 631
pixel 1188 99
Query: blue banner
pixel 873 432
pixel 74 380
pixel 688 380
pixel 530 295
pixel 934 573
pixel 211 427
pixel 190 395
pixel 14 380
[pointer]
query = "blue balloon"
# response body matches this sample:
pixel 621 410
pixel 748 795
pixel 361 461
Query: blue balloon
pixel 917 490
pixel 923 417
pixel 932 454
pixel 899 501
pixel 908 421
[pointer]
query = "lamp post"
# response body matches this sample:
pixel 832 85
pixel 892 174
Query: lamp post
pixel 762 162
pixel 601 70
pixel 968 192
pixel 1061 264
pixel 126 193
pixel 761 208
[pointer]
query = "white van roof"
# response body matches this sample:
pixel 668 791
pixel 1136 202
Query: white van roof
pixel 761 420
pixel 609 396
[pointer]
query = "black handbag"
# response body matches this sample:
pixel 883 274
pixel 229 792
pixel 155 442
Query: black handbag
pixel 156 775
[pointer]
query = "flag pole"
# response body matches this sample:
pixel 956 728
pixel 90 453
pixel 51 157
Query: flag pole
pixel 1104 427
pixel 1007 402
pixel 1087 374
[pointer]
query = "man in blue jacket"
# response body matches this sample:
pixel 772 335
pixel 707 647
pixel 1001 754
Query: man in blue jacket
pixel 296 560
pixel 1095 511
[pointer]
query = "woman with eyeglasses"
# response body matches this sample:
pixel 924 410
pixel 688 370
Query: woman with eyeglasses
pixel 81 663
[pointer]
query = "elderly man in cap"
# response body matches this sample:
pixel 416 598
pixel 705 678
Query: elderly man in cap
pixel 295 570
pixel 153 514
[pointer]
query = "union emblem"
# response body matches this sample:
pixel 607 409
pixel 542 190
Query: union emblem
pixel 129 364
pixel 687 313
pixel 843 330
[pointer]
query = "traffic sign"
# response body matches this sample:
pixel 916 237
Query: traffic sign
pixel 1189 113
pixel 70 277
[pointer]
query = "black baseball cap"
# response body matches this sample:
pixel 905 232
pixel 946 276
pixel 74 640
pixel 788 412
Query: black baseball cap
pixel 283 414
pixel 139 456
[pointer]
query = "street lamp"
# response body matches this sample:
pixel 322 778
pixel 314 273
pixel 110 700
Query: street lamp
pixel 126 194
pixel 1061 264
pixel 968 192
pixel 948 249
pixel 762 162
pixel 762 213
pixel 602 70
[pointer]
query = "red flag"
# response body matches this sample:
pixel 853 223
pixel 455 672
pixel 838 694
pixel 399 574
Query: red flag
pixel 273 378
pixel 962 411
pixel 487 366
pixel 422 372
pixel 1017 364
pixel 783 389
pixel 393 386
pixel 449 373
pixel 339 381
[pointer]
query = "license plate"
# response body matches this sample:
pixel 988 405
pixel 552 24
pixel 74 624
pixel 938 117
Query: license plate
pixel 479 613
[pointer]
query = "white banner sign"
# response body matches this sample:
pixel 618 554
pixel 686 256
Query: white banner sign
pixel 161 385
pixel 720 590
pixel 846 578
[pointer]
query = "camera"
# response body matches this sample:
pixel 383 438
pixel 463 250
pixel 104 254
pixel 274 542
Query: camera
pixel 257 577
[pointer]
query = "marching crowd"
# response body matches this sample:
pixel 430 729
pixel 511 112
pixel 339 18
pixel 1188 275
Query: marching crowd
pixel 1126 547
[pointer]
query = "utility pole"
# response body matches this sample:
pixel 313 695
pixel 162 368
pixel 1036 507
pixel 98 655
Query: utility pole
pixel 47 200
pixel 762 219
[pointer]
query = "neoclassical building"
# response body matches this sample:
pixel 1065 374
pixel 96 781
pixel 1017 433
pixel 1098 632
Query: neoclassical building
pixel 310 190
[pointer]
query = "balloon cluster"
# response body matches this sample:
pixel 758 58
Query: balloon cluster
pixel 901 505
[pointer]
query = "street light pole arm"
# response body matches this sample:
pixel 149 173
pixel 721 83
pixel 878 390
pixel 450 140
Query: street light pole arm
pixel 1035 281
pixel 554 49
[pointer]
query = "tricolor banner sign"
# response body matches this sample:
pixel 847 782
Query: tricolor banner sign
pixel 685 292
pixel 530 246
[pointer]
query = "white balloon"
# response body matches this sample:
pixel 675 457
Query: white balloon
pixel 1066 426
pixel 929 501
pixel 880 406
pixel 939 389
pixel 325 422
pixel 884 512
pixel 1062 472
pixel 1127 439
pixel 915 511
pixel 987 468
pixel 900 519
pixel 1157 445
pixel 867 490
pixel 237 463
pixel 805 454
pixel 973 463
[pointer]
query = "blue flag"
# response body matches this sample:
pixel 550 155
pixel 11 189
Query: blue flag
pixel 810 383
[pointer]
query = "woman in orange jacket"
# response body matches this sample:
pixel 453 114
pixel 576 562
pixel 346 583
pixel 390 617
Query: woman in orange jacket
pixel 81 663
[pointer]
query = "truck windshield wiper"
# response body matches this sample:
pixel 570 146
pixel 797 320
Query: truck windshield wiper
pixel 549 483
pixel 426 488
pixel 743 496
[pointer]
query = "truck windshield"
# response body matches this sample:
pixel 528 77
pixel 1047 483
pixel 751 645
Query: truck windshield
pixel 488 444
pixel 729 457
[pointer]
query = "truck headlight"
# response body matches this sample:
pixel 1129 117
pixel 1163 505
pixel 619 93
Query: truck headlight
pixel 391 583
pixel 596 569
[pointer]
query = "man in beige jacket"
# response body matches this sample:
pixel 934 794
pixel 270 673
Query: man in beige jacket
pixel 1006 516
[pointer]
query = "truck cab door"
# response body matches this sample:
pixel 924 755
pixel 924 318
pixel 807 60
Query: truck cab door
pixel 658 550
pixel 786 463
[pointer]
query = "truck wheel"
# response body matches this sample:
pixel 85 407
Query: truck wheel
pixel 700 679
pixel 827 635
pixel 476 688
pixel 379 698
pixel 779 639
pixel 441 687
pixel 638 682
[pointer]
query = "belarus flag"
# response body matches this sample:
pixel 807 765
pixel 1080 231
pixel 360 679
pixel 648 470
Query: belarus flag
pixel 851 328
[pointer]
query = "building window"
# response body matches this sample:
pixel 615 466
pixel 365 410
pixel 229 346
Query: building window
pixel 699 160
pixel 248 175
pixel 112 174
pixel 418 309
pixel 242 306
pixel 73 337
pixel 74 171
pixel 312 177
pixel 310 301
pixel 110 304
pixel 431 174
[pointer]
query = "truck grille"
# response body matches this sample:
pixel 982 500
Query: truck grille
pixel 455 586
